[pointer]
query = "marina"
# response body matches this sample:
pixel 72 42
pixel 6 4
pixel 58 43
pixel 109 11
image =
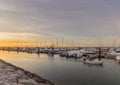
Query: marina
pixel 62 70
pixel 59 42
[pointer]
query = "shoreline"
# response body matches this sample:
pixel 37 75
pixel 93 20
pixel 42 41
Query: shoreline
pixel 14 75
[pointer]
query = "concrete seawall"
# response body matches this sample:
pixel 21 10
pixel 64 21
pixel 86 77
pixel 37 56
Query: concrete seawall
pixel 13 75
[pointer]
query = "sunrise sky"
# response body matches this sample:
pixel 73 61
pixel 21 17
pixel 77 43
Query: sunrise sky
pixel 81 21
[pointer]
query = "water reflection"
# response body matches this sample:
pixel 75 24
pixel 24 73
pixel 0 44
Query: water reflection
pixel 90 66
pixel 66 71
pixel 38 55
pixel 51 55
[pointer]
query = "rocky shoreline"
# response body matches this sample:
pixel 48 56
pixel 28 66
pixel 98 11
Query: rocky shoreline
pixel 13 75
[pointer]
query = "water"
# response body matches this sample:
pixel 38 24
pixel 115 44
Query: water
pixel 64 71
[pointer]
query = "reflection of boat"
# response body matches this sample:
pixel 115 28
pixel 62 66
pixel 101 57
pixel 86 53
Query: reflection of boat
pixel 94 62
pixel 118 59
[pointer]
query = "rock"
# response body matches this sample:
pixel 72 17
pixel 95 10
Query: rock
pixel 12 75
pixel 27 81
pixel 42 84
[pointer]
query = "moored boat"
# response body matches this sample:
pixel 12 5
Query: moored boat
pixel 94 62
pixel 118 58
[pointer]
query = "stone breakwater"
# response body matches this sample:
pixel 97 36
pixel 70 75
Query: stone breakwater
pixel 13 75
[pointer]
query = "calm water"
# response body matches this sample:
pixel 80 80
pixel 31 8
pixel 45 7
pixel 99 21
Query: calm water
pixel 64 71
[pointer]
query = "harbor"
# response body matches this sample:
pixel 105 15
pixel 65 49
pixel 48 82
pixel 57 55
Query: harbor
pixel 69 52
pixel 63 70
pixel 59 42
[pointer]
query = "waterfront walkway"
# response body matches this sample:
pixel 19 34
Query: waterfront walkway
pixel 12 75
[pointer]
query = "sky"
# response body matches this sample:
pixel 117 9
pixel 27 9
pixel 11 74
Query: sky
pixel 88 21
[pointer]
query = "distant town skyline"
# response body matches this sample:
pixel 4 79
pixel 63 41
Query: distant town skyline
pixel 84 22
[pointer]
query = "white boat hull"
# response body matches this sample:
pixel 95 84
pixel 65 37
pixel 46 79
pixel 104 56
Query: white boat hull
pixel 94 62
pixel 118 59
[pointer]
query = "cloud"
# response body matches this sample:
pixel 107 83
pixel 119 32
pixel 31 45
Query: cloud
pixel 78 19
pixel 21 36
